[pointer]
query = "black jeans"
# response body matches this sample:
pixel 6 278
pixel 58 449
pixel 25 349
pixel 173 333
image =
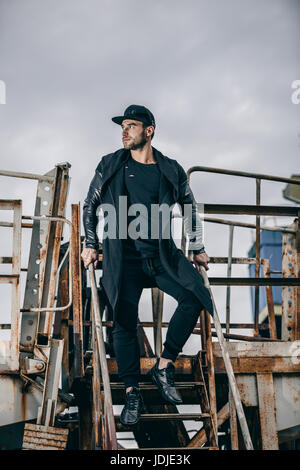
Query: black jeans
pixel 137 275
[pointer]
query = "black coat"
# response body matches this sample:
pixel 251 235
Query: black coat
pixel 105 188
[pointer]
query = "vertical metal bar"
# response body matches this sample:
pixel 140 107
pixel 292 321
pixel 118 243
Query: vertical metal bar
pixel 77 292
pixel 231 229
pixel 232 412
pixel 233 423
pixel 229 370
pixel 47 414
pixel 211 379
pixel 157 309
pixel 297 322
pixel 270 303
pixel 203 332
pixel 257 265
pixel 97 413
pixel 15 299
pixel 267 412
pixel 61 327
pixel 289 294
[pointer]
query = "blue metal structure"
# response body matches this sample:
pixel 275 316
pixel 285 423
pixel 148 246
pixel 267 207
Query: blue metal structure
pixel 270 248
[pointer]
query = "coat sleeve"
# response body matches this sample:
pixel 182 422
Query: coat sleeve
pixel 90 205
pixel 191 218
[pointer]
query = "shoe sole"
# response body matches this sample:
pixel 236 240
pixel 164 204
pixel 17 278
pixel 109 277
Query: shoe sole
pixel 160 389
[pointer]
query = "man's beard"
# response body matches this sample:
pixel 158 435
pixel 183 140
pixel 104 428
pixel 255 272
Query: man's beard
pixel 140 144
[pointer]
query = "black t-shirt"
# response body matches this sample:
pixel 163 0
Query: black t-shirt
pixel 142 186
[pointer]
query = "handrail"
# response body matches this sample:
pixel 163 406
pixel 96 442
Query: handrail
pixel 241 173
pixel 109 421
pixel 229 370
pixel 31 176
pixel 258 177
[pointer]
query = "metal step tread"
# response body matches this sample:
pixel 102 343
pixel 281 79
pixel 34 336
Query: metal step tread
pixel 166 416
pixel 150 386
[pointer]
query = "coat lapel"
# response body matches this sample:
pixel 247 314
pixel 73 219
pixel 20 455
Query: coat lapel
pixel 169 173
pixel 166 166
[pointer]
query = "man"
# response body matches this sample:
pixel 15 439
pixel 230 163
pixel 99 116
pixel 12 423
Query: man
pixel 147 179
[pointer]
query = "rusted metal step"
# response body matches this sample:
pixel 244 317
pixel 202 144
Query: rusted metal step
pixel 149 386
pixel 38 437
pixel 171 416
pixel 183 365
pixel 152 396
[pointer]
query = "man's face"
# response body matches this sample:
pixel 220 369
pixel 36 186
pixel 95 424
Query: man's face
pixel 134 136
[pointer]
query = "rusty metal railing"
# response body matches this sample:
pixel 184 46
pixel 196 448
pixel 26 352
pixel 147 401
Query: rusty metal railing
pixel 104 422
pixel 256 210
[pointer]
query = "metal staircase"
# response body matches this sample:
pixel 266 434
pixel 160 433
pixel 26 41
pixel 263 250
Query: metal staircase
pixel 61 338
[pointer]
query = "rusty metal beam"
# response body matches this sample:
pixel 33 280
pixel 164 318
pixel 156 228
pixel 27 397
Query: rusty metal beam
pixel 239 337
pixel 267 412
pixel 50 201
pixel 251 365
pixel 243 209
pixel 246 225
pixel 10 362
pixel 77 292
pixel 250 326
pixel 211 380
pixel 270 303
pixel 183 365
pixel 110 439
pixel 157 312
pixel 289 326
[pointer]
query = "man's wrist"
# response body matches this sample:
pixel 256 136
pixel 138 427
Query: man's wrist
pixel 91 247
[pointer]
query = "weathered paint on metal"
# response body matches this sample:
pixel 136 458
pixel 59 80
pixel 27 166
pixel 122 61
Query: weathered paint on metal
pixel 9 361
pixel 289 294
pixel 267 411
pixel 157 310
pixel 37 437
pixel 36 263
pixel 270 303
pixel 77 292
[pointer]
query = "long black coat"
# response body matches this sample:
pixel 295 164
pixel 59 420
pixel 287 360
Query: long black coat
pixel 105 188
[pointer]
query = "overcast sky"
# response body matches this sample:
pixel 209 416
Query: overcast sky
pixel 216 74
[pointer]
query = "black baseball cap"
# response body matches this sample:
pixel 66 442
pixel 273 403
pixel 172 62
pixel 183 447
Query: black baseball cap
pixel 138 113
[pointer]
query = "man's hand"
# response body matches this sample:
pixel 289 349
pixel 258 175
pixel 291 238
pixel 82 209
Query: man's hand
pixel 201 259
pixel 89 255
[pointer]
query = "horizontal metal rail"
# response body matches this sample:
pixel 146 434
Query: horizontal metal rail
pixel 10 224
pixel 254 281
pixel 30 176
pixel 245 209
pixel 245 174
pixel 241 224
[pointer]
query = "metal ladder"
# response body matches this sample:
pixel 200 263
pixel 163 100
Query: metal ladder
pixel 160 422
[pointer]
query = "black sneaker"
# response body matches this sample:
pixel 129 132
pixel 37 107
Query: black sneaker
pixel 164 379
pixel 132 408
